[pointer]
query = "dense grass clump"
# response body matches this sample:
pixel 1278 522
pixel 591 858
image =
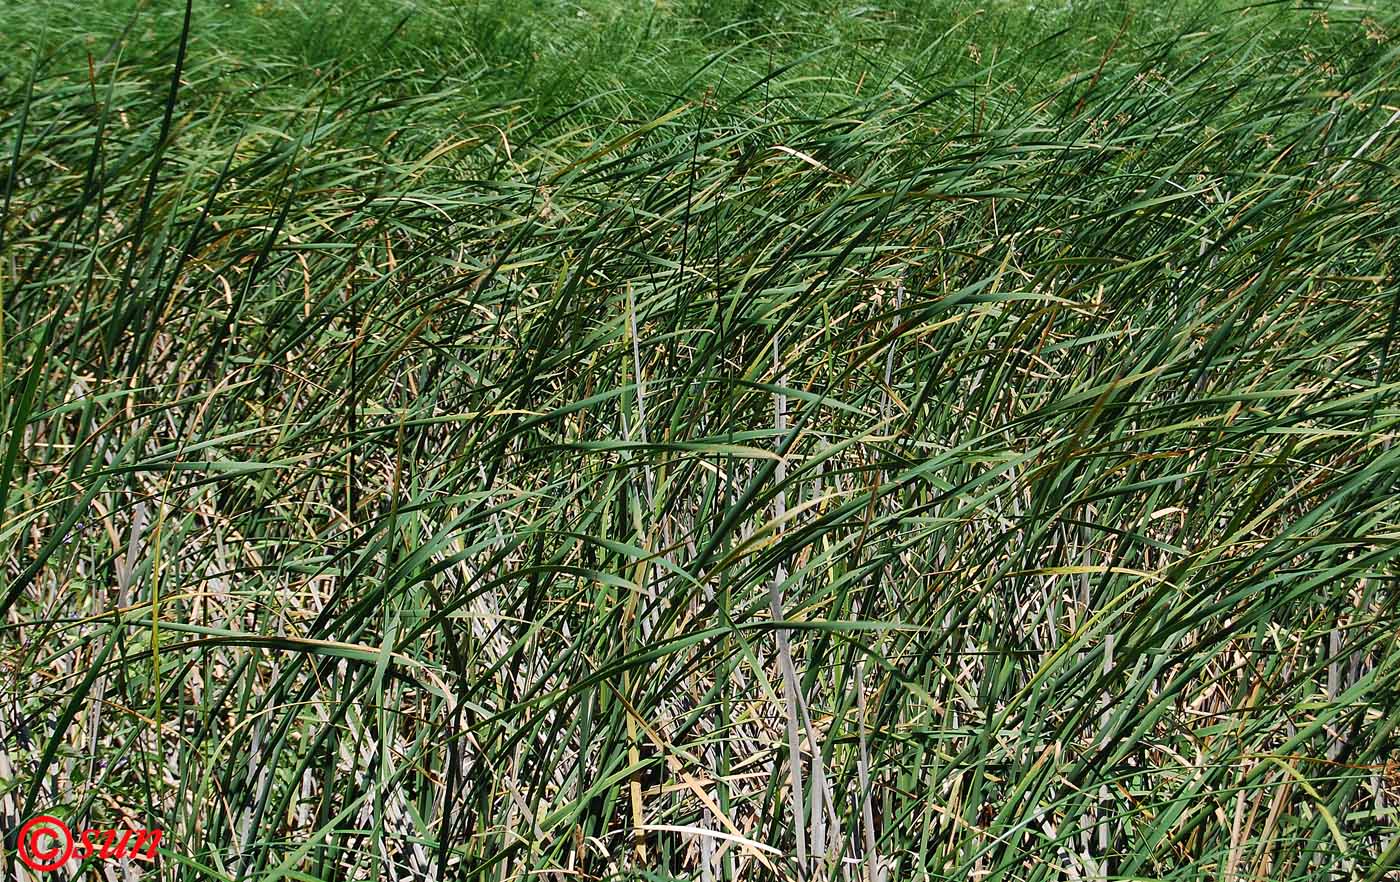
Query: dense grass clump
pixel 679 441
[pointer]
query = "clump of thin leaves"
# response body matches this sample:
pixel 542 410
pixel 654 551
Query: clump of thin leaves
pixel 809 464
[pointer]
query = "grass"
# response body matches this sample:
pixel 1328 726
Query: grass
pixel 685 441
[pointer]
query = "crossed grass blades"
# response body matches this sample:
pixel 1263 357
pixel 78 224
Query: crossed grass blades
pixel 846 444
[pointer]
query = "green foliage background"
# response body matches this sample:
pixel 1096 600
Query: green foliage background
pixel 703 440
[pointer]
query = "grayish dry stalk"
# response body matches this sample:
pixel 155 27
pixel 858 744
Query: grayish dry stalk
pixel 873 871
pixel 791 685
